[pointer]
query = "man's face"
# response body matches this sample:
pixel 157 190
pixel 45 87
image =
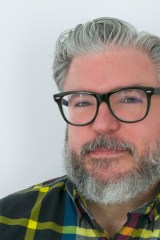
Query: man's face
pixel 104 73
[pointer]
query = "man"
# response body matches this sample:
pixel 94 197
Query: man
pixel 108 75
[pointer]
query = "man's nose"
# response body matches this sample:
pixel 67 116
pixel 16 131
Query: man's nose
pixel 105 122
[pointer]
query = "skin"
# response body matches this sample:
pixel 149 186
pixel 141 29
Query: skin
pixel 101 73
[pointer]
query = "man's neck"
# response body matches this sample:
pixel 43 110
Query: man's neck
pixel 113 216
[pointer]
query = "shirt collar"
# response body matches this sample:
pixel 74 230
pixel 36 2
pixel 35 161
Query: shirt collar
pixel 150 210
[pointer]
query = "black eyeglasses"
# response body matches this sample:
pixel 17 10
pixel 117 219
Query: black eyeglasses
pixel 129 105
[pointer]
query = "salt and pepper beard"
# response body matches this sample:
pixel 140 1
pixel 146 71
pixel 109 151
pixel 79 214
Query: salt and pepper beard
pixel 145 172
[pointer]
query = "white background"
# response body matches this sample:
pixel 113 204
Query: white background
pixel 31 128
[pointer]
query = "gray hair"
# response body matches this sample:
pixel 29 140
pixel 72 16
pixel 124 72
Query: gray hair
pixel 98 36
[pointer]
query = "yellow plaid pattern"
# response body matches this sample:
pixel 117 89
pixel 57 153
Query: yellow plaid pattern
pixel 49 211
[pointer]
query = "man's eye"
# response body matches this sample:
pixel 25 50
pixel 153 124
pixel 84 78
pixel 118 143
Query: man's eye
pixel 131 100
pixel 82 104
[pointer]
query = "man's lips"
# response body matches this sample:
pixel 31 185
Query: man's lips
pixel 104 152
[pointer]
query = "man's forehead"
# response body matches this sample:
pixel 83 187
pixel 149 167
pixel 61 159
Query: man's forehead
pixel 124 67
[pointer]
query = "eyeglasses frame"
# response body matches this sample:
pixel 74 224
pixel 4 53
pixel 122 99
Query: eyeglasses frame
pixel 104 97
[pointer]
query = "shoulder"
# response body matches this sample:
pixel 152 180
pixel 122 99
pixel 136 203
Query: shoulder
pixel 39 210
pixel 20 204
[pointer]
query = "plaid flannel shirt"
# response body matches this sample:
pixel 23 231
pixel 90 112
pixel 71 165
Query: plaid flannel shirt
pixel 54 210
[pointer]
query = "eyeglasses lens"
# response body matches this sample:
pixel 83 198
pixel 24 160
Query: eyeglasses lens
pixel 129 105
pixel 79 108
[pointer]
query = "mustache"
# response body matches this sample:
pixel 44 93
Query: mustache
pixel 107 143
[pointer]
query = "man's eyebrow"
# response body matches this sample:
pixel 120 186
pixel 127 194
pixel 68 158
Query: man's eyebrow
pixel 125 87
